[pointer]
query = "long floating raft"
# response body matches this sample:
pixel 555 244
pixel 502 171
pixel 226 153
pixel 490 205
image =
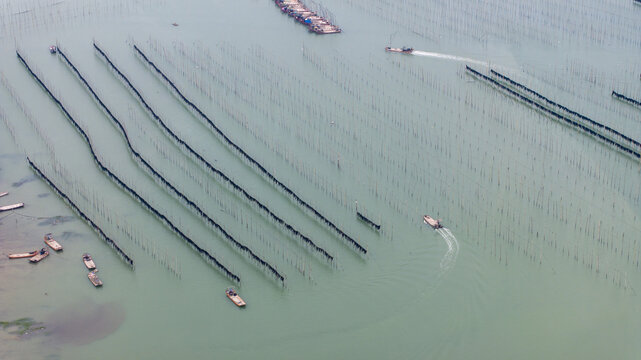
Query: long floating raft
pixel 537 106
pixel 626 99
pixel 219 174
pixel 204 253
pixel 250 159
pixel 164 182
pixel 300 13
pixel 75 208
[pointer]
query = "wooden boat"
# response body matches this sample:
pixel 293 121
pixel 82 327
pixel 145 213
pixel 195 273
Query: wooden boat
pixel 404 50
pixel 4 193
pixel 41 255
pixel 86 258
pixel 436 224
pixel 52 243
pixel 11 207
pixel 93 277
pixel 233 296
pixel 23 255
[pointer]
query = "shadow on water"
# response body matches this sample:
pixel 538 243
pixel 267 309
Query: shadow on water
pixel 84 322
pixel 24 180
pixel 56 220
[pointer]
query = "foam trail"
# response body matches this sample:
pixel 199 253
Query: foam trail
pixel 452 249
pixel 449 57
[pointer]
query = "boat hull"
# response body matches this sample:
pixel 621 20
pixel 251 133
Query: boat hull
pixel 435 224
pixel 52 243
pixel 23 255
pixel 11 207
pixel 39 257
pixel 93 277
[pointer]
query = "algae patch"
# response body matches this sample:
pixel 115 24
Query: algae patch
pixel 22 326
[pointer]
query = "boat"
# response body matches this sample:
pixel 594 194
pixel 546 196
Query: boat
pixel 174 24
pixel 233 296
pixel 11 207
pixel 41 255
pixel 436 224
pixel 403 50
pixel 53 49
pixel 86 258
pixel 93 277
pixel 3 194
pixel 23 255
pixel 52 243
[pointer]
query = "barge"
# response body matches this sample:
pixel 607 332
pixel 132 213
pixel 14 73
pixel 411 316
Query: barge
pixel 233 296
pixel 403 50
pixel 435 224
pixel 303 15
pixel 52 243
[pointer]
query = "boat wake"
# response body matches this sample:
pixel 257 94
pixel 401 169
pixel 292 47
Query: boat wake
pixel 449 57
pixel 450 256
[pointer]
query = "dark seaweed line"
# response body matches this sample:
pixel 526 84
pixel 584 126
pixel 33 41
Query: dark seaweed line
pixel 625 98
pixel 207 164
pixel 368 221
pixel 158 177
pixel 96 228
pixel 129 190
pixel 251 160
pixel 553 113
pixel 597 124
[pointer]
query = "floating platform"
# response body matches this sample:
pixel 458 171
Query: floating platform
pixel 52 243
pixel 303 15
pixel 41 255
pixel 11 207
pixel 23 255
pixel 93 277
pixel 86 258
pixel 435 224
pixel 403 50
pixel 233 296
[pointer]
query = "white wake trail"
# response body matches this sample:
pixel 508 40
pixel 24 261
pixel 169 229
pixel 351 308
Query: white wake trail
pixel 450 256
pixel 449 57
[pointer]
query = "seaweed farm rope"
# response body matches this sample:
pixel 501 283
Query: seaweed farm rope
pixel 75 208
pixel 200 158
pixel 626 99
pixel 204 253
pixel 553 113
pixel 158 177
pixel 250 159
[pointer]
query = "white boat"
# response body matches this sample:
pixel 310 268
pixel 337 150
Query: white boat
pixel 52 243
pixel 11 207
pixel 3 194
pixel 436 224
pixel 86 258
pixel 404 50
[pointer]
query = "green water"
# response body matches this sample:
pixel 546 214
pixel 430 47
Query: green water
pixel 540 256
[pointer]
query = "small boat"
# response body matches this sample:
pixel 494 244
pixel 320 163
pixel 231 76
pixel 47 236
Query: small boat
pixel 52 243
pixel 93 277
pixel 53 49
pixel 403 50
pixel 175 24
pixel 233 296
pixel 436 224
pixel 3 194
pixel 23 255
pixel 41 255
pixel 86 258
pixel 11 207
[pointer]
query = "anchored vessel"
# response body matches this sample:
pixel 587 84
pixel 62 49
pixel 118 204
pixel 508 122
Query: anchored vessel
pixel 23 255
pixel 11 207
pixel 3 194
pixel 436 224
pixel 86 258
pixel 93 277
pixel 53 49
pixel 52 243
pixel 233 296
pixel 41 255
pixel 403 50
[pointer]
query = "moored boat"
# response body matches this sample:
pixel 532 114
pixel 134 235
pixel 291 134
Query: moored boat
pixel 403 50
pixel 11 207
pixel 40 255
pixel 53 49
pixel 93 277
pixel 52 243
pixel 436 224
pixel 23 255
pixel 4 193
pixel 86 258
pixel 233 296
